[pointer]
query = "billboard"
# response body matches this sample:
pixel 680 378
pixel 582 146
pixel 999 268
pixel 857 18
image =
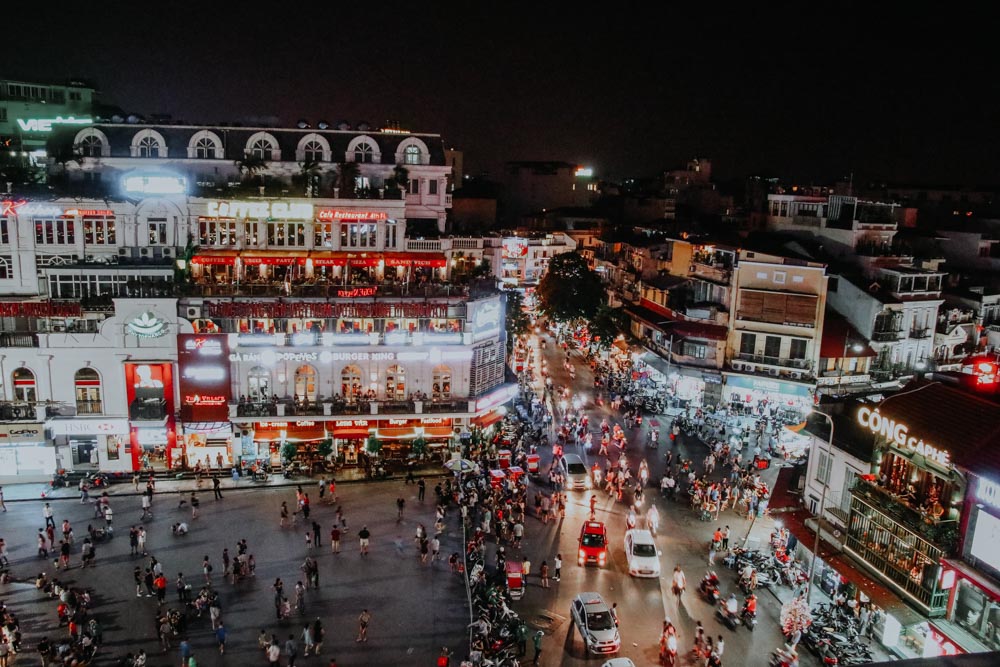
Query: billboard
pixel 149 388
pixel 514 247
pixel 486 317
pixel 204 378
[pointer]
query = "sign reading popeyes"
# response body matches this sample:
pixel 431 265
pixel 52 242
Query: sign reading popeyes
pixel 898 434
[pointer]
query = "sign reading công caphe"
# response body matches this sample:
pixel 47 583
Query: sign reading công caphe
pixel 898 433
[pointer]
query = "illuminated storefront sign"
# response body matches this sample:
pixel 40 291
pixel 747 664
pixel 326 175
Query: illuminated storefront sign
pixel 146 325
pixel 40 309
pixel 355 292
pixel 204 345
pixel 45 124
pixel 988 492
pixel 154 184
pixel 329 214
pixel 897 433
pixel 88 212
pixel 22 432
pixel 312 309
pixel 88 426
pixel 514 248
pixel 584 172
pixel 264 209
pixel 24 207
pixel 204 377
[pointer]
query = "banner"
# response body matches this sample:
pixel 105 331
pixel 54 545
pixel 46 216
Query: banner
pixel 203 367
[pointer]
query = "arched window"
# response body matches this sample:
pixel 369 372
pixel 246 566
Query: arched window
pixel 259 384
pixel 350 383
pixel 24 385
pixel 364 152
pixel 313 152
pixel 88 392
pixel 441 382
pixel 411 155
pixel 305 383
pixel 148 147
pixel 395 383
pixel 205 148
pixel 261 149
pixel 91 146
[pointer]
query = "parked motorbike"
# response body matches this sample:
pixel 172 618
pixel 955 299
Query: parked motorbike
pixel 59 479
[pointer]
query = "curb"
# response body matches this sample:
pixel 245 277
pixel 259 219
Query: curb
pixel 284 483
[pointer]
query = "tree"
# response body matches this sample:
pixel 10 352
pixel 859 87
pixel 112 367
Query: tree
pixel 398 182
pixel 289 451
pixel 308 177
pixel 795 616
pixel 251 165
pixel 325 448
pixel 419 447
pixel 373 445
pixel 518 321
pixel 570 289
pixel 607 323
pixel 347 179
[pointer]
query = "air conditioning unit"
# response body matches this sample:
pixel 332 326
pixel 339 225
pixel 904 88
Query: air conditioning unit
pixel 737 366
pixel 194 312
pixel 145 252
pixel 773 372
pixel 169 252
pixel 795 375
pixel 124 252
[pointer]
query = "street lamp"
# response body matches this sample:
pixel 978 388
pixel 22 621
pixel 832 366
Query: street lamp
pixel 856 347
pixel 822 504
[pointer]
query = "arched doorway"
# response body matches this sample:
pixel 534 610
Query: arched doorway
pixel 305 383
pixel 350 383
pixel 259 385
pixel 24 385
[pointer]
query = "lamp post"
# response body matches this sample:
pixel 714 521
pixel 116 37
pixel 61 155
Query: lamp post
pixel 822 503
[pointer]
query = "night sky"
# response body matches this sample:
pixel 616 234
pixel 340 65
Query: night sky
pixel 801 93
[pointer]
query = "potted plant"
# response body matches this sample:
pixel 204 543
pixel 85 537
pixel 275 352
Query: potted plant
pixel 289 452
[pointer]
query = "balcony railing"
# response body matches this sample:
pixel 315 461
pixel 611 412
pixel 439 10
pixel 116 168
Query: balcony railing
pixel 799 364
pixel 939 533
pixel 89 408
pixel 328 291
pixel 288 407
pixel 887 336
pixel 923 332
pixel 14 410
pixel 18 340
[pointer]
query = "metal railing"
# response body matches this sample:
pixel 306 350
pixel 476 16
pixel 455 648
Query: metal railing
pixel 921 332
pixel 326 291
pixel 800 364
pixel 13 410
pixel 18 340
pixel 886 336
pixel 89 408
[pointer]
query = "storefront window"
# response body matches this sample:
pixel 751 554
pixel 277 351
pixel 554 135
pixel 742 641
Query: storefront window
pixel 977 614
pixel 305 383
pixel 441 383
pixel 24 385
pixel 350 383
pixel 259 384
pixel 395 383
pixel 88 392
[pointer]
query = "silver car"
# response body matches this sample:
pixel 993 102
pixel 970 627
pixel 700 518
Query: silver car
pixel 592 617
pixel 577 475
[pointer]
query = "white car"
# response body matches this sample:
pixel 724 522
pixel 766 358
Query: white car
pixel 642 554
pixel 619 662
pixel 592 617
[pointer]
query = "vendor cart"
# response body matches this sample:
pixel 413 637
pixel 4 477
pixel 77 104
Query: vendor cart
pixel 514 473
pixel 496 478
pixel 515 580
pixel 505 457
pixel 534 461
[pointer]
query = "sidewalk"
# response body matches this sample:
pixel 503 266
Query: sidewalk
pixel 39 492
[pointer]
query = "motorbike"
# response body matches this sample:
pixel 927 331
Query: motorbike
pixel 781 657
pixel 59 480
pixel 709 588
pixel 98 480
pixel 722 613
pixel 749 619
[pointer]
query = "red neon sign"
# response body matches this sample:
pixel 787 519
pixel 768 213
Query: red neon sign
pixel 9 207
pixel 356 292
pixel 332 214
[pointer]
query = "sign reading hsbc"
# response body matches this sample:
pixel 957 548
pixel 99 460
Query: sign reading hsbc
pixel 30 432
pixel 88 427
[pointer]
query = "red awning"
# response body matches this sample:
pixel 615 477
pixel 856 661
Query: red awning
pixel 219 257
pixel 293 432
pixel 438 431
pixel 271 260
pixel 329 259
pixel 489 418
pixel 353 432
pixel 433 259
pixel 397 432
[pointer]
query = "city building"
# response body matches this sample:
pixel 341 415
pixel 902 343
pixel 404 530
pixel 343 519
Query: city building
pixel 775 331
pixel 30 111
pixel 533 186
pixel 844 358
pixel 524 259
pixel 158 327
pixel 897 312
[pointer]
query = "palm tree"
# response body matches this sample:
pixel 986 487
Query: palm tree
pixel 251 165
pixel 397 183
pixel 347 179
pixel 308 177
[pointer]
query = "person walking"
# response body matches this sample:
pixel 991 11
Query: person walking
pixel 307 639
pixel 421 490
pixel 318 633
pixel 274 653
pixel 206 569
pixel 679 583
pixel 47 513
pixel 538 646
pixel 363 620
pixel 558 567
pixel 543 573
pixel 217 489
pixel 3 505
pixel 363 537
pixel 220 637
pixel 400 504
pixel 194 505
pixel 316 534
pixel 335 539
pixel 291 650
pixel 725 539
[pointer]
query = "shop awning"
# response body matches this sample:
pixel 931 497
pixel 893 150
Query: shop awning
pixel 434 259
pixel 216 258
pixel 254 258
pixel 397 433
pixel 486 420
pixel 328 258
pixel 351 432
pixel 293 432
pixel 438 431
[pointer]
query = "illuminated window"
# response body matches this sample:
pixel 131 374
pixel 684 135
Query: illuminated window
pixel 313 152
pixel 88 392
pixel 148 147
pixel 54 232
pixel 441 382
pixel 4 234
pixel 156 230
pixel 411 155
pixel 395 383
pixel 350 383
pixel 99 230
pixel 414 185
pixel 24 385
pixel 305 383
pixel 259 384
pixel 365 152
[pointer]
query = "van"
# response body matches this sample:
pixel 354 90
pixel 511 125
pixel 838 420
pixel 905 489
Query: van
pixel 577 476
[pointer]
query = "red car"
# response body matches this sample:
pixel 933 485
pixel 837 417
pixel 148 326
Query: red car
pixel 593 544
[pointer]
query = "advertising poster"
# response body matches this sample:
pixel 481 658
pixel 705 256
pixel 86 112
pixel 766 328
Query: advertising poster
pixel 149 389
pixel 204 378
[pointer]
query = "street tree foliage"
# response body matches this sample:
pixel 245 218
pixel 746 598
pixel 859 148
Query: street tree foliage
pixel 608 322
pixel 570 290
pixel 518 321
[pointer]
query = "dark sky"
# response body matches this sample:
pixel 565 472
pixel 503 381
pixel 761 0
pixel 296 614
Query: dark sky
pixel 802 92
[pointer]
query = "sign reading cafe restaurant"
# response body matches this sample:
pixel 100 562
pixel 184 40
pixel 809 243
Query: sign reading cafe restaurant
pixel 898 434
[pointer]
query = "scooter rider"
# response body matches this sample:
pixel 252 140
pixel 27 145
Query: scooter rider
pixel 732 606
pixel 750 605
pixel 631 518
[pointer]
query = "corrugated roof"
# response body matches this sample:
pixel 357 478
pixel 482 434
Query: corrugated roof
pixel 951 419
